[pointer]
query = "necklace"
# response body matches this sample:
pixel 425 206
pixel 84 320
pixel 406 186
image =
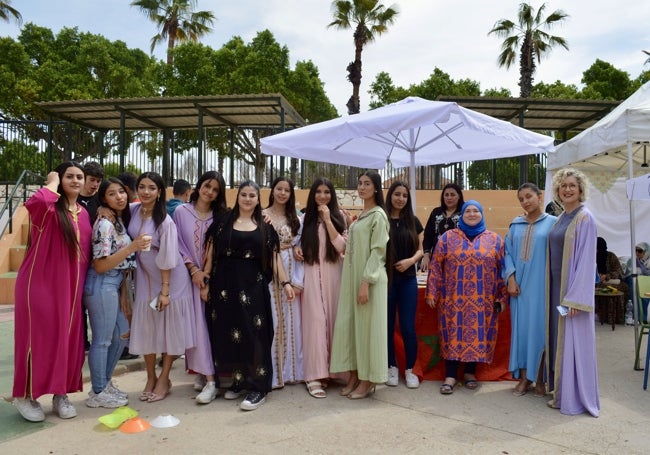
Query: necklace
pixel 146 213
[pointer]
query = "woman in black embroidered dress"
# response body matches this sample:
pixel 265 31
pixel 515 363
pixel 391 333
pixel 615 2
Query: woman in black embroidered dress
pixel 242 258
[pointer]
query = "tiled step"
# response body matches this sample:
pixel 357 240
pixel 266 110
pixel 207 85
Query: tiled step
pixel 16 256
pixel 7 285
pixel 24 233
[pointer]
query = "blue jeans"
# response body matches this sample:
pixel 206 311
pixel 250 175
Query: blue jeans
pixel 109 326
pixel 403 299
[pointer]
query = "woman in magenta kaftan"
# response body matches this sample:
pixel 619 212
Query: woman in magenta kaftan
pixel 49 348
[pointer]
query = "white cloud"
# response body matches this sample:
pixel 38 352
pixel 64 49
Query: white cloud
pixel 448 34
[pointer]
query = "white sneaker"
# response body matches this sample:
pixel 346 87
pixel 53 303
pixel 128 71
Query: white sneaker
pixel 393 376
pixel 104 399
pixel 30 409
pixel 233 394
pixel 62 407
pixel 199 382
pixel 208 393
pixel 111 389
pixel 412 381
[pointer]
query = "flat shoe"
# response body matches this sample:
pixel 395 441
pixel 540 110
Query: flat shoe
pixel 359 396
pixel 471 384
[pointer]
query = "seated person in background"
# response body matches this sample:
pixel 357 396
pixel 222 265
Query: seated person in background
pixel 610 272
pixel 182 190
pixel 642 259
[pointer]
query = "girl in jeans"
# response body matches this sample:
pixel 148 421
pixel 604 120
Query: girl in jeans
pixel 113 256
pixel 404 252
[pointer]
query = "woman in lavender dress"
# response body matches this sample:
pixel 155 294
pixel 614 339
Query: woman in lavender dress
pixel 571 347
pixel 163 319
pixel 207 202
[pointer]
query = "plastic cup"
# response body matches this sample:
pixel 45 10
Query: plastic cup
pixel 148 238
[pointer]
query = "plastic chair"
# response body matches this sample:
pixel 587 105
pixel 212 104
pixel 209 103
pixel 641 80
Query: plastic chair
pixel 643 287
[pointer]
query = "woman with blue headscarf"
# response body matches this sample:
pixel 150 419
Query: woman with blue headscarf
pixel 465 285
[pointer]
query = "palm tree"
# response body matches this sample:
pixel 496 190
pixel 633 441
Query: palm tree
pixel 529 36
pixel 6 10
pixel 176 21
pixel 369 19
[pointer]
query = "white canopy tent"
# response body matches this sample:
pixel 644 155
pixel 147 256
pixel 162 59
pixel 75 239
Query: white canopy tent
pixel 412 132
pixel 609 151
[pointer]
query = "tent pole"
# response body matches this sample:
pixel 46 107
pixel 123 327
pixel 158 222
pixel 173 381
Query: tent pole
pixel 633 291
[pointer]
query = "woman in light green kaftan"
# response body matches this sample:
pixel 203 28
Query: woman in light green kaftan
pixel 360 336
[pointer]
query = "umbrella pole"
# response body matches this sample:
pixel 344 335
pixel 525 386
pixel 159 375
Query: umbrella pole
pixel 412 180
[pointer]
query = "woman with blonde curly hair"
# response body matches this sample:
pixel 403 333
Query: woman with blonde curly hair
pixel 571 347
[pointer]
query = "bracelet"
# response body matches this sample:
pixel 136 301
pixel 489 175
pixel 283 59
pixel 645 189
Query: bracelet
pixel 196 270
pixel 165 282
pixel 164 295
pixel 284 283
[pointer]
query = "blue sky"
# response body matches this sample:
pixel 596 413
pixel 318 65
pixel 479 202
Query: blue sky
pixel 448 34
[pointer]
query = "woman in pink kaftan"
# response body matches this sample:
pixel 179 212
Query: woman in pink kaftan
pixel 321 246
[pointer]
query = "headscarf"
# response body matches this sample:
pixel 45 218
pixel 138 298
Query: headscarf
pixel 646 252
pixel 471 231
pixel 601 255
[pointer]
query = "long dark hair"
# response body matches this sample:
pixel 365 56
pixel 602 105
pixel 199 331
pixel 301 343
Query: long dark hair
pixel 101 195
pixel 376 182
pixel 159 209
pixel 309 240
pixel 406 216
pixel 219 204
pixel 458 190
pixel 61 208
pixel 290 206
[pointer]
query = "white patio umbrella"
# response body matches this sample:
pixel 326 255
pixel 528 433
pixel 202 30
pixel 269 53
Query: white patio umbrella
pixel 412 132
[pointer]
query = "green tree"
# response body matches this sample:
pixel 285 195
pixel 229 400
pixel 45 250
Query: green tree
pixel 529 36
pixel 176 21
pixel 7 12
pixel 383 91
pixel 16 156
pixel 603 81
pixel 369 19
pixel 503 174
pixel 555 90
pixel 260 66
pixel 41 66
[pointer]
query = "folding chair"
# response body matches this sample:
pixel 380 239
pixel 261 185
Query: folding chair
pixel 643 290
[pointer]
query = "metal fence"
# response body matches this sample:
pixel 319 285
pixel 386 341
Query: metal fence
pixel 39 146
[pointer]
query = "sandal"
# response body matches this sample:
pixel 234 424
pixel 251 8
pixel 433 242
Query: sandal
pixel 153 397
pixel 540 391
pixel 447 389
pixel 519 392
pixel 315 389
pixel 471 383
pixel 144 396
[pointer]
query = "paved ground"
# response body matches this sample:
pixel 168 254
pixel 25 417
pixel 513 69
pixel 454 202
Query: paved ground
pixel 394 420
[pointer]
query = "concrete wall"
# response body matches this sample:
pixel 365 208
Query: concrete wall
pixel 500 207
